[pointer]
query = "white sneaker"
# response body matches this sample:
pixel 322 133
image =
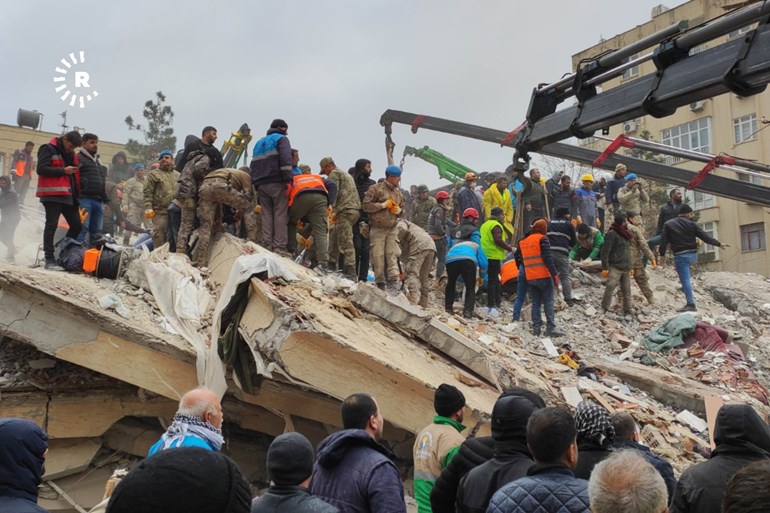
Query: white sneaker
pixel 493 312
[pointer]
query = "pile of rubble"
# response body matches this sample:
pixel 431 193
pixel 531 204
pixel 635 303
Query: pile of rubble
pixel 101 363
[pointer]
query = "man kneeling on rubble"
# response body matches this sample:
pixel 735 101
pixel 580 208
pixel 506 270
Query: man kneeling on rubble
pixel 197 423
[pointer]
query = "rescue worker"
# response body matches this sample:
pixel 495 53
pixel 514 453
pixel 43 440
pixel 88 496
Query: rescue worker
pixel 564 196
pixel 534 255
pixel 418 253
pixel 309 201
pixel 587 204
pixel 464 259
pixel 383 203
pixel 639 247
pixel 133 199
pixel 437 444
pixel 509 277
pixel 611 192
pixel 438 225
pixel 498 196
pixel 422 206
pixel 200 158
pixel 534 199
pixel 120 170
pixel 224 186
pixel 271 167
pixel 466 197
pixel 362 173
pixel 159 187
pixel 616 263
pixel 345 212
pixel 493 236
pixel 632 197
pixel 561 236
pixel 22 166
pixel 589 244
pixel 58 186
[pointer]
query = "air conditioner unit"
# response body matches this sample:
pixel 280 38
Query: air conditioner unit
pixel 697 106
pixel 629 126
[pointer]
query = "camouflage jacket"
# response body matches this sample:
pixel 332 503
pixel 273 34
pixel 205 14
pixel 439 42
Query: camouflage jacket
pixel 133 192
pixel 347 193
pixel 159 187
pixel 195 170
pixel 375 196
pixel 421 210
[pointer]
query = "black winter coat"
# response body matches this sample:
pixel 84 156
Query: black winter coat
pixel 363 182
pixel 589 455
pixel 290 499
pixel 473 452
pixel 667 213
pixel 479 485
pixel 741 437
pixel 681 233
pixel 92 177
pixel 22 446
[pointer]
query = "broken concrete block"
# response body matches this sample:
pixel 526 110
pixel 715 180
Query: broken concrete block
pixel 550 349
pixel 624 341
pixel 42 363
pixel 67 457
pixel 132 436
pixel 572 396
pixel 687 418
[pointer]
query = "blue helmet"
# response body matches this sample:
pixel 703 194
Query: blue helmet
pixel 392 170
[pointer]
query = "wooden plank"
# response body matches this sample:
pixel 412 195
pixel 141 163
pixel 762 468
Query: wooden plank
pixel 601 400
pixel 713 403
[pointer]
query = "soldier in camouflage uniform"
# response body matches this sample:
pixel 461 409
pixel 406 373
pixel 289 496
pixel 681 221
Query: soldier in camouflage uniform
pixel 133 199
pixel 417 252
pixel 422 206
pixel 230 187
pixel 345 213
pixel 159 187
pixel 384 202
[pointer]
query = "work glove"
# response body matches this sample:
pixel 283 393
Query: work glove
pixel 258 209
pixel 605 273
pixel 387 204
pixel 631 273
pixel 479 282
pixel 654 264
pixel 598 223
pixel 149 213
pixel 395 209
pixel 579 219
pixel 83 214
pixel 555 281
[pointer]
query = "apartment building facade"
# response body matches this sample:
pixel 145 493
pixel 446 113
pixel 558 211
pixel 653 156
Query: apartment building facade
pixel 724 124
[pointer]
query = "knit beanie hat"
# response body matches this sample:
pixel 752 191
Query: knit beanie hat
pixel 289 459
pixel 183 480
pixel 562 211
pixel 540 226
pixel 447 400
pixel 497 211
pixel 510 416
pixel 685 209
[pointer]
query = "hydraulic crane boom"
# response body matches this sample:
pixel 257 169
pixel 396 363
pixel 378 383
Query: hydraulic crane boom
pixel 236 145
pixel 741 66
pixel 447 168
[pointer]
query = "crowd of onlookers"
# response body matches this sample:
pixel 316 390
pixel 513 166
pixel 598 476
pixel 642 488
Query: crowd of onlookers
pixel 537 459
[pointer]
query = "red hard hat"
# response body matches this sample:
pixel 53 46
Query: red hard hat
pixel 471 212
pixel 442 195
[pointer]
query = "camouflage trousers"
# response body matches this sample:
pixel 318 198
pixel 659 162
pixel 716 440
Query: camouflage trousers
pixel 643 281
pixel 341 240
pixel 384 254
pixel 188 208
pixel 418 276
pixel 159 228
pixel 213 193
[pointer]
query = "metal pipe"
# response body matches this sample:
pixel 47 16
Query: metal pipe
pixel 695 155
pixel 616 57
pixel 615 72
pixel 721 26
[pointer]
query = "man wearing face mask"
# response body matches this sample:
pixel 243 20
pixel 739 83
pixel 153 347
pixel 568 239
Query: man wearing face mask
pixel 467 196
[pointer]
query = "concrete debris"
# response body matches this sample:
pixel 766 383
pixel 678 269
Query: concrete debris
pixel 309 340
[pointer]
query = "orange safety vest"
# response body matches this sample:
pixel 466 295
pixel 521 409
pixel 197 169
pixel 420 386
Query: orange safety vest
pixel 534 266
pixel 305 183
pixel 509 271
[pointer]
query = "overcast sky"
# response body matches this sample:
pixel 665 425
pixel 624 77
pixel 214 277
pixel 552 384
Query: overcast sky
pixel 329 68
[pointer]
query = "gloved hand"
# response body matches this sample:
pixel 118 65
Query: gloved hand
pixel 83 214
pixel 598 223
pixel 579 219
pixel 479 282
pixel 605 273
pixel 631 273
pixel 258 209
pixel 395 209
pixel 654 265
pixel 556 281
pixel 386 204
pixel 149 213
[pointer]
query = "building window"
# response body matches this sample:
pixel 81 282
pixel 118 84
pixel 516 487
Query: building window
pixel 633 71
pixel 707 252
pixel 753 237
pixel 695 135
pixel 699 200
pixel 745 128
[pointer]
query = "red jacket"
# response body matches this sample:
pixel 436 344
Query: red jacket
pixel 52 180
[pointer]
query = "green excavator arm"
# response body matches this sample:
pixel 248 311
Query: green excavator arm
pixel 447 168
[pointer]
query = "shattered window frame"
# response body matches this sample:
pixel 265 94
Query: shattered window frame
pixel 753 237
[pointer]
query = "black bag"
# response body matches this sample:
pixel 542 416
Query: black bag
pixel 71 253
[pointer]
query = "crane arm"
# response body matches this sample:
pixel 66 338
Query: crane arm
pixel 447 168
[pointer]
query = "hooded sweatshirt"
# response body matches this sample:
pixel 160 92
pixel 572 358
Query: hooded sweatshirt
pixel 22 446
pixel 357 475
pixel 119 172
pixel 741 437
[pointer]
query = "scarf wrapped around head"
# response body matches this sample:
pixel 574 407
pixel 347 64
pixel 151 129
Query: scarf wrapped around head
pixel 184 426
pixel 594 424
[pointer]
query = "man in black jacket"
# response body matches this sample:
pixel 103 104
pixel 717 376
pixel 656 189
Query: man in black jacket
pixel 681 233
pixel 667 212
pixel 362 177
pixel 290 465
pixel 93 193
pixel 741 437
pixel 512 457
pixel 627 437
